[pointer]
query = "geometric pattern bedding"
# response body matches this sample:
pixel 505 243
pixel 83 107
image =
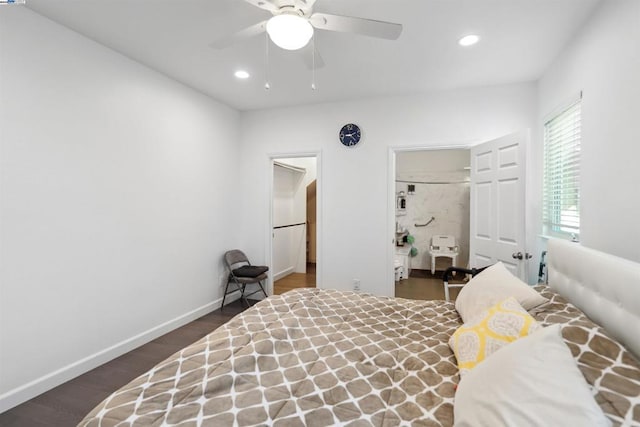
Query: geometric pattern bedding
pixel 314 357
pixel 612 372
pixel 308 357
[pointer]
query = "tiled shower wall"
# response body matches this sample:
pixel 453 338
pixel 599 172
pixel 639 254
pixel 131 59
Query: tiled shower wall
pixel 446 198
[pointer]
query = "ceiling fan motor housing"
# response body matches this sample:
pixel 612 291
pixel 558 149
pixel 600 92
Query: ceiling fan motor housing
pixel 300 7
pixel 293 22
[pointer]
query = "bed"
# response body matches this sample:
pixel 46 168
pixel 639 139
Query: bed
pixel 317 357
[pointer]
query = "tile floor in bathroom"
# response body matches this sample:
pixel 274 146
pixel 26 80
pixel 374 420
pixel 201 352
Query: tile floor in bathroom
pixel 421 284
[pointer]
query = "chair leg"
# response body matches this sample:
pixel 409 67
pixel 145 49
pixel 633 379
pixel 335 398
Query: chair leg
pixel 454 262
pixel 446 291
pixel 225 294
pixel 260 288
pixel 242 297
pixel 263 291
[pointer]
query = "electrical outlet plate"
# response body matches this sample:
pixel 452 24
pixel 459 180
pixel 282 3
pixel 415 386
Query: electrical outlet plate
pixel 356 285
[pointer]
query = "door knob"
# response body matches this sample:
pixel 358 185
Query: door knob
pixel 528 255
pixel 517 255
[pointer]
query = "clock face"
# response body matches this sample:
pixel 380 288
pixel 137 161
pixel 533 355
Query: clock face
pixel 350 135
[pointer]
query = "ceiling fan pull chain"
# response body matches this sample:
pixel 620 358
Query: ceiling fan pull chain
pixel 267 86
pixel 313 60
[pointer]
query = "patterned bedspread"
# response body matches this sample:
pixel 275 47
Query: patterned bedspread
pixel 612 372
pixel 316 357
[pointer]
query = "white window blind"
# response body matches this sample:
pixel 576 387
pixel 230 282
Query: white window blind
pixel 561 194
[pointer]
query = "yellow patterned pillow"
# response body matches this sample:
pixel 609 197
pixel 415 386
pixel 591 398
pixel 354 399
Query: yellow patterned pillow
pixel 496 327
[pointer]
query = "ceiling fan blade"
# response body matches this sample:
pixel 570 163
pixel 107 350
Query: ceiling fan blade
pixel 264 4
pixel 307 56
pixel 247 33
pixel 348 24
pixel 308 4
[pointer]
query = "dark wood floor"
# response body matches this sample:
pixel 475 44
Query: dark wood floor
pixel 67 404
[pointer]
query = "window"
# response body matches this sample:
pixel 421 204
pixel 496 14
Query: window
pixel 561 193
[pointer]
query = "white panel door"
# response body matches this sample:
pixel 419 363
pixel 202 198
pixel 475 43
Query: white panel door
pixel 497 223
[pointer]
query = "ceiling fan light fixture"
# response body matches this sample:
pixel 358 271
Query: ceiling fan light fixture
pixel 289 31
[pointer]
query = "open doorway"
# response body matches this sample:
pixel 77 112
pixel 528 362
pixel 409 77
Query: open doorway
pixel 496 227
pixel 294 220
pixel 432 189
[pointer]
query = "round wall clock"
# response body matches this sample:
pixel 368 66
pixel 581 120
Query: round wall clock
pixel 350 135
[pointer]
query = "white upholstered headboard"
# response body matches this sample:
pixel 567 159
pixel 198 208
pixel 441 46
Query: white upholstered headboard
pixel 606 288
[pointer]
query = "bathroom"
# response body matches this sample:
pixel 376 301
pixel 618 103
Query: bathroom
pixel 432 199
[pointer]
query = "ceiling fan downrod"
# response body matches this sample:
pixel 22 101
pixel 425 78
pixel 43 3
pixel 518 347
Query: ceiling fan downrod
pixel 313 61
pixel 267 86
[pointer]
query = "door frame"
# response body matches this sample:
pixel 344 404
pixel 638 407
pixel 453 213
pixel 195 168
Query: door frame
pixel 271 157
pixel 391 199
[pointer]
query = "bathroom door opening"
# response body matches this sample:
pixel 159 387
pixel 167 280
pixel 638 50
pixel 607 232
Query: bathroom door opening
pixel 432 212
pixel 294 223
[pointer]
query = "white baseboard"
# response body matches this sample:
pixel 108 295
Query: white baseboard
pixel 283 273
pixel 40 385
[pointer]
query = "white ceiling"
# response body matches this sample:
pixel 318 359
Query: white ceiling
pixel 520 38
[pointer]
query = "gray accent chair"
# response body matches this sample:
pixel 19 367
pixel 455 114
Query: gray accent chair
pixel 241 274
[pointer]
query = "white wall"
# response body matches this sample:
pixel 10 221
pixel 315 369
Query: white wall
pixel 357 231
pixel 115 203
pixel 603 61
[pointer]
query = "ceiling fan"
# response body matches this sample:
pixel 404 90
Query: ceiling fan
pixel 293 22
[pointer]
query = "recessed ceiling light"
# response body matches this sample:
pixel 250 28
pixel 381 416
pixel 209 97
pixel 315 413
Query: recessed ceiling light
pixel 469 40
pixel 241 74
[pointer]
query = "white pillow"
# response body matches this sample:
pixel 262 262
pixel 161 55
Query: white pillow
pixel 533 381
pixel 491 286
